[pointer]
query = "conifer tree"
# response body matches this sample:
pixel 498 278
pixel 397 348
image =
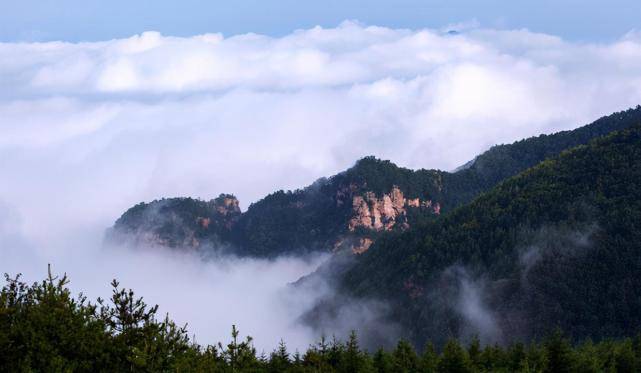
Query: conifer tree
pixel 405 359
pixel 454 359
pixel 559 354
pixel 429 359
pixel 383 361
pixel 279 359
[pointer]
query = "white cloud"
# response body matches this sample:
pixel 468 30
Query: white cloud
pixel 89 129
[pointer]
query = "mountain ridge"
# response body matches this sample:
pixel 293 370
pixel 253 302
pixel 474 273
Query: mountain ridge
pixel 352 209
pixel 555 246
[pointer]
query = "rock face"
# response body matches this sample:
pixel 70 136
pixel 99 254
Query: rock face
pixel 370 214
pixel 226 205
pixel 386 212
pixel 363 245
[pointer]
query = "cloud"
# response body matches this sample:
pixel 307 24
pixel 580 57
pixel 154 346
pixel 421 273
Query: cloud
pixel 89 129
pixel 210 296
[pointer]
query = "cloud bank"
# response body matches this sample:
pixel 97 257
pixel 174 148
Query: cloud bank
pixel 89 129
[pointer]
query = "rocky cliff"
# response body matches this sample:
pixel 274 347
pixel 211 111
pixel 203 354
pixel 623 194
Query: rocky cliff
pixel 385 213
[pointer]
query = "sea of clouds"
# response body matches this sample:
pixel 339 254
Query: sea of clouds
pixel 89 129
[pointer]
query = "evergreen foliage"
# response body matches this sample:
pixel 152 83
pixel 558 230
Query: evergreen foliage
pixel 555 246
pixel 316 217
pixel 44 328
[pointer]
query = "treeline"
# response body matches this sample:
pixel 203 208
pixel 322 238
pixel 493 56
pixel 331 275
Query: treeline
pixel 44 328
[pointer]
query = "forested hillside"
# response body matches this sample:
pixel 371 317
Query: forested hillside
pixel 179 222
pixel 350 210
pixel 555 246
pixel 503 161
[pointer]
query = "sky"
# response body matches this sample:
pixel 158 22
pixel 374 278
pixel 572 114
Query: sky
pixel 91 20
pixel 105 106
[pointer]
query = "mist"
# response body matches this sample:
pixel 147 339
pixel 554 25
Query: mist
pixel 87 130
pixel 208 294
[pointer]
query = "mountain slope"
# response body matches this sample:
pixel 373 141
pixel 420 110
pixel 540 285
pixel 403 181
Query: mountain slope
pixel 349 211
pixel 503 161
pixel 179 222
pixel 557 245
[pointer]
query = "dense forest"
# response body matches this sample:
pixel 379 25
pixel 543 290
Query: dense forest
pixel 45 328
pixel 555 246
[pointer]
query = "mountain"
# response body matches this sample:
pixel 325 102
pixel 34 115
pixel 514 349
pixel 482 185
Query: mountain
pixel 179 222
pixel 348 211
pixel 503 161
pixel 558 245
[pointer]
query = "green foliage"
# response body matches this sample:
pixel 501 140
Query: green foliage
pixel 405 359
pixel 44 328
pixel 383 362
pixel 316 217
pixel 556 246
pixel 454 359
pixel 504 161
pixel 429 359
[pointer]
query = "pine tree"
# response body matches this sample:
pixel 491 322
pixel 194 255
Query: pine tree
pixel 279 359
pixel 353 359
pixel 239 355
pixel 454 359
pixel 559 354
pixel 405 359
pixel 474 352
pixel 383 362
pixel 429 359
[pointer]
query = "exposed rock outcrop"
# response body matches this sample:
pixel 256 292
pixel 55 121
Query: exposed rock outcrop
pixel 382 214
pixel 363 245
pixel 226 205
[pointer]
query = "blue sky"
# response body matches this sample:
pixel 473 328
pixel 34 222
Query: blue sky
pixel 90 20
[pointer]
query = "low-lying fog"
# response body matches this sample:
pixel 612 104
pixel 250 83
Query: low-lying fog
pixel 209 295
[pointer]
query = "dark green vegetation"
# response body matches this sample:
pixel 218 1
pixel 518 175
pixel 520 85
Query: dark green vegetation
pixel 317 217
pixel 558 245
pixel 503 161
pixel 44 328
pixel 539 235
pixel 184 222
